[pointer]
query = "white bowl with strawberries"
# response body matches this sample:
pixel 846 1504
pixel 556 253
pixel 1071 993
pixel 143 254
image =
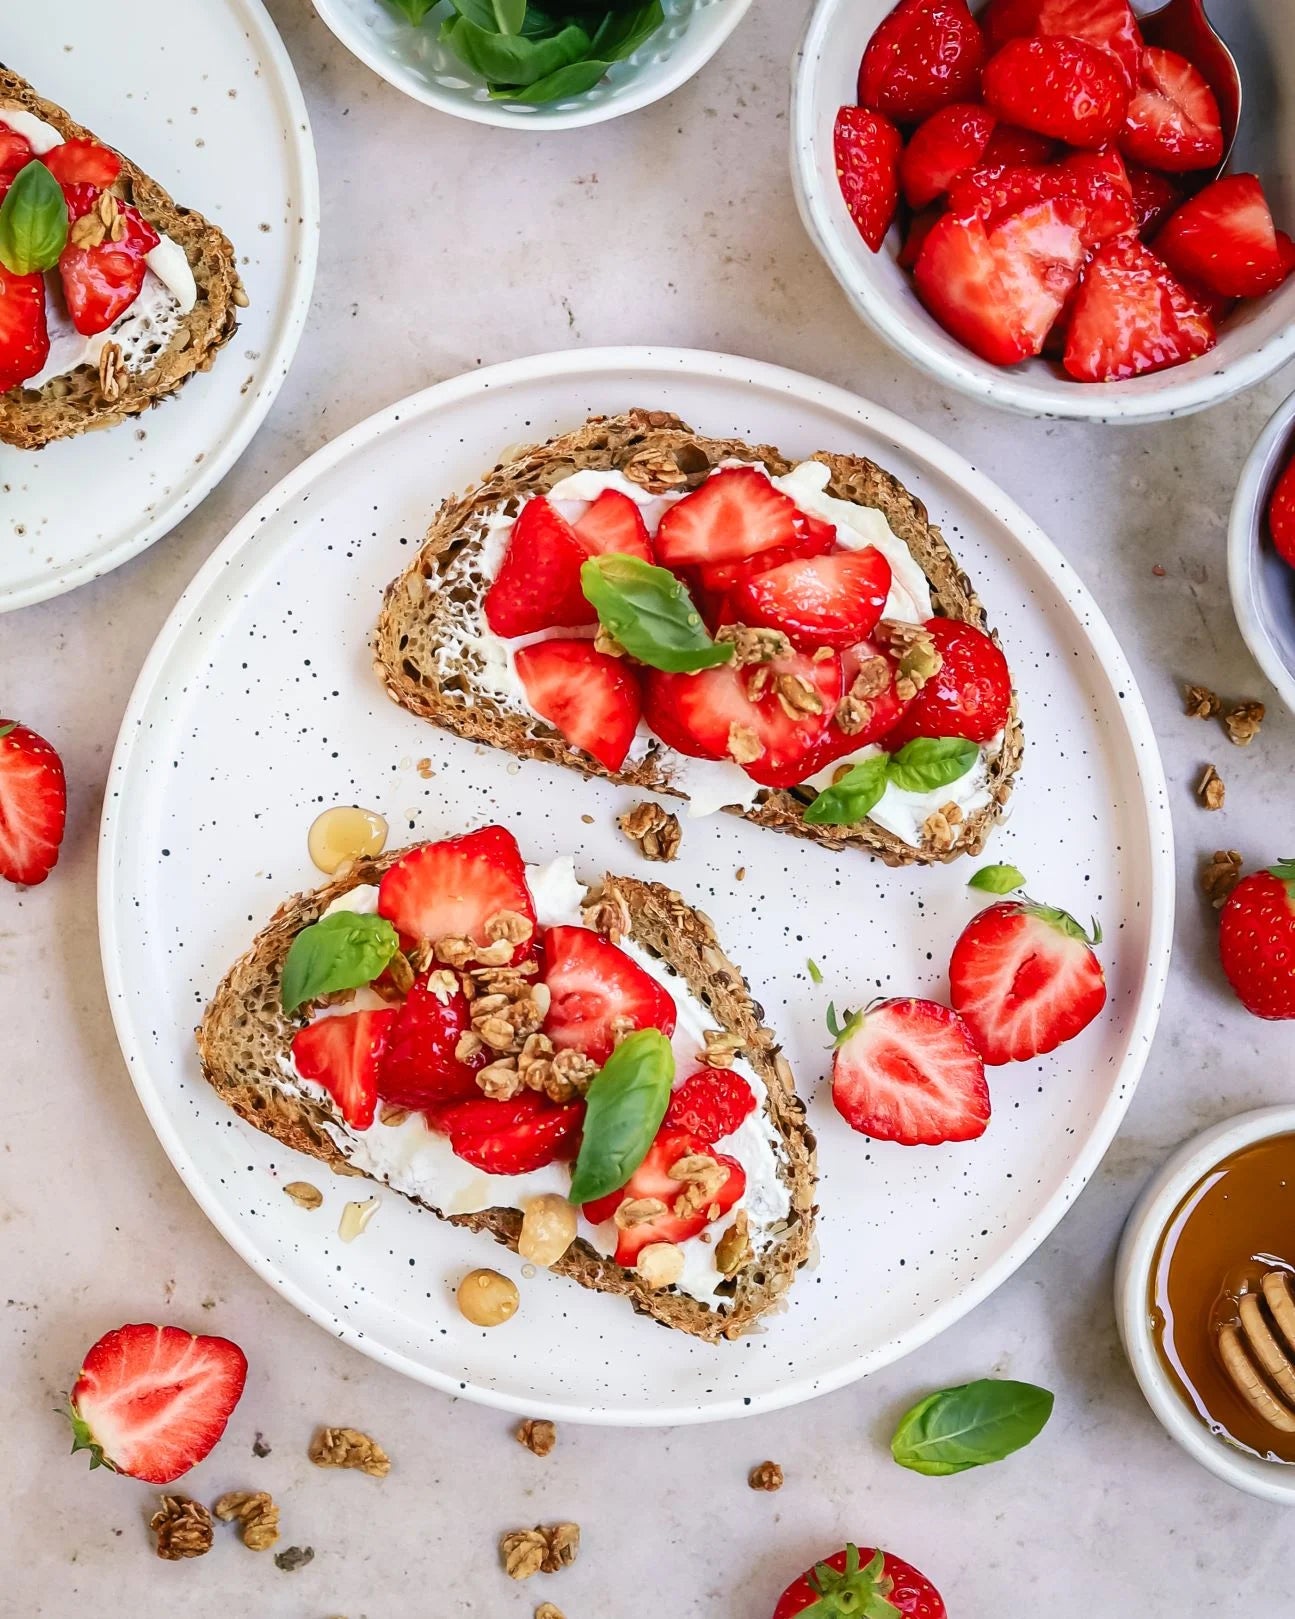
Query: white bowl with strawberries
pixel 1026 201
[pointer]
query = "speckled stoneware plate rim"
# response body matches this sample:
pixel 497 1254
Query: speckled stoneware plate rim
pixel 631 94
pixel 1271 1481
pixel 253 22
pixel 1026 390
pixel 744 384
pixel 1247 543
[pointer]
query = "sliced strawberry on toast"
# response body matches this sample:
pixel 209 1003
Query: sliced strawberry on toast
pixel 909 1071
pixel 1224 238
pixel 821 601
pixel 102 280
pixel 344 1054
pixel 33 804
pixel 597 993
pixel 538 583
pixel 613 524
pixel 24 334
pixel 420 1065
pixel 1132 316
pixel 513 1137
pixel 710 1103
pixel 456 888
pixel 970 695
pixel 590 696
pixel 736 513
pixel 80 162
pixel 867 148
pixel 1172 122
pixel 665 1210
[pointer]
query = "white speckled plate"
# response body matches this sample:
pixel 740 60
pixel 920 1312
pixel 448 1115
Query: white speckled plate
pixel 204 98
pixel 257 707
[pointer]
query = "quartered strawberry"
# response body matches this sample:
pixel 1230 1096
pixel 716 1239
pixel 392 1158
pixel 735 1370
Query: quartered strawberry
pixel 710 1103
pixel 1281 513
pixel 818 601
pixel 418 1067
pixel 343 1054
pixel 514 1137
pixel 33 804
pixel 909 1071
pixel 1172 122
pixel 1155 196
pixel 1101 182
pixel 82 162
pixel 873 713
pixel 24 336
pixel 1257 941
pixel 866 147
pixel 734 514
pixel 101 283
pixel 1108 23
pixel 591 697
pixel 921 56
pixel 871 1584
pixel 595 991
pixel 1224 238
pixel 153 1401
pixel 15 154
pixel 732 713
pixel 1024 977
pixel 538 583
pixel 1131 316
pixel 919 228
pixel 452 889
pixel 1066 88
pixel 945 145
pixel 999 291
pixel 970 695
pixel 993 192
pixel 613 524
pixel 1011 144
pixel 678 1220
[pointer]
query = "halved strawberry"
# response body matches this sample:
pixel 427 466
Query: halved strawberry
pixel 1010 144
pixel 866 148
pixel 33 805
pixel 909 1071
pixel 994 192
pixel 1172 122
pixel 919 228
pixel 591 697
pixel 343 1054
pixel 1062 87
pixel 922 55
pixel 613 524
pixel 153 1401
pixel 734 514
pixel 652 1179
pixel 15 154
pixel 1224 237
pixel 1281 513
pixel 813 538
pixel 1101 182
pixel 717 715
pixel 592 986
pixel 970 695
pixel 418 1067
pixel 1155 196
pixel 818 601
pixel 24 336
pixel 1131 316
pixel 515 1137
pixel 1000 290
pixel 101 283
pixel 83 162
pixel 452 889
pixel 710 1103
pixel 873 714
pixel 1108 23
pixel 1024 978
pixel 538 583
pixel 946 145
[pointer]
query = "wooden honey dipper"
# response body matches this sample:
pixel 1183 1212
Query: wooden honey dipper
pixel 1258 1353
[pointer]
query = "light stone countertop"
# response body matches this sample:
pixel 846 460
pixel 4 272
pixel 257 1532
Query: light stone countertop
pixel 447 245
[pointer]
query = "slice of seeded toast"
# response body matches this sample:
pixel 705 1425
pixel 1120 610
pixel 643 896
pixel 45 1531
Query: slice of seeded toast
pixel 85 399
pixel 437 601
pixel 245 1033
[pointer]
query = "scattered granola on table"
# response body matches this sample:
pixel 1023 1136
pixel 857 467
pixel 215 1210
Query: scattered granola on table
pixel 1242 723
pixel 537 1435
pixel 546 1610
pixel 1202 703
pixel 256 1515
pixel 1210 789
pixel 1220 875
pixel 767 1476
pixel 348 1447
pixel 655 830
pixel 183 1528
pixel 563 1546
pixel 540 1550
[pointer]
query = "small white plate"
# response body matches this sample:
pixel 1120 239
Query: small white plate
pixel 258 706
pixel 203 98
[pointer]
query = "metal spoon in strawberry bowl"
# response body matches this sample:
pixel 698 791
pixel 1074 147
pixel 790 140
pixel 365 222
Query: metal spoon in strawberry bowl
pixel 1183 26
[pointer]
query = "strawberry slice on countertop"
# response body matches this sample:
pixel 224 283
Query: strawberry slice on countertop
pixel 1024 978
pixel 512 1137
pixel 1224 238
pixel 1281 513
pixel 1062 87
pixel 590 696
pixel 867 149
pixel 710 1103
pixel 344 1054
pixel 908 1070
pixel 970 695
pixel 1132 316
pixel 1257 941
pixel 678 1220
pixel 597 991
pixel 945 145
pixel 538 583
pixel 1110 24
pixel 80 162
pixel 153 1401
pixel 821 601
pixel 922 55
pixel 102 281
pixel 24 334
pixel 33 800
pixel 453 889
pixel 613 525
pixel 734 514
pixel 1173 121
pixel 418 1067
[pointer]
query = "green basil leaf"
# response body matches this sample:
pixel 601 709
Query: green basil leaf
pixel 33 221
pixel 854 796
pixel 815 971
pixel 539 24
pixel 509 59
pixel 342 951
pixel 969 1426
pixel 622 32
pixel 997 880
pixel 927 762
pixel 413 11
pixel 572 80
pixel 624 1106
pixel 495 16
pixel 650 613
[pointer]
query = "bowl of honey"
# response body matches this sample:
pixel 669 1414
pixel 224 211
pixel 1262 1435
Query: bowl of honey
pixel 1205 1299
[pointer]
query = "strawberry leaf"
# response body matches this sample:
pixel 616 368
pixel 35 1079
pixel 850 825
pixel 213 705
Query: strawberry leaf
pixel 1283 871
pixel 853 1590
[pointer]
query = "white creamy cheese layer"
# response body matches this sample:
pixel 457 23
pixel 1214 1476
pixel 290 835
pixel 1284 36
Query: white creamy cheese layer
pixel 413 1159
pixel 901 812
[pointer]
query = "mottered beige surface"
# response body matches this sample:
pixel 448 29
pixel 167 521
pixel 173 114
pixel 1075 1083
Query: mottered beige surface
pixel 446 245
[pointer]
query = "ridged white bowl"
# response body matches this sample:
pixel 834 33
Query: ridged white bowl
pixel 1262 584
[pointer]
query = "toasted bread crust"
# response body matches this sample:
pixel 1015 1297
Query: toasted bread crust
pixel 657 450
pixel 76 403
pixel 244 1035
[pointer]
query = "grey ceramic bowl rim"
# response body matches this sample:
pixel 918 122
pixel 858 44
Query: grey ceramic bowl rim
pixel 1246 538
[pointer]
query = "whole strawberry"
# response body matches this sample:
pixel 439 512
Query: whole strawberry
pixel 1257 941
pixel 33 804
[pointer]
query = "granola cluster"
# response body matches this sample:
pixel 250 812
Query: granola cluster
pixel 914 649
pixel 941 827
pixel 753 645
pixel 656 831
pixel 1220 875
pixel 348 1447
pixel 256 1515
pixel 854 711
pixel 538 1435
pixel 1241 721
pixel 542 1550
pixel 183 1528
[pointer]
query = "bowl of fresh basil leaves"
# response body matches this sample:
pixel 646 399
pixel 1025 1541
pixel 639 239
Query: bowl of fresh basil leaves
pixel 554 64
